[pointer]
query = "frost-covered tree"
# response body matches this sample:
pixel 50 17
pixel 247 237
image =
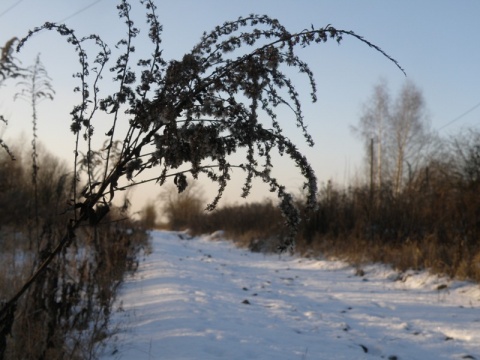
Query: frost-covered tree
pixel 187 116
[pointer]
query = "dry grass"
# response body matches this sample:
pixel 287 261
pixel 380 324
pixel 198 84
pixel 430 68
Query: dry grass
pixel 434 227
pixel 64 315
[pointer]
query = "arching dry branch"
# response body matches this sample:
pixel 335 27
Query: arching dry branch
pixel 194 112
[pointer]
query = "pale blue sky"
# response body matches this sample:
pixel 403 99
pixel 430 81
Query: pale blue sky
pixel 435 41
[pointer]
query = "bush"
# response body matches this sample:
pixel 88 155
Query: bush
pixel 259 226
pixel 432 223
pixel 182 209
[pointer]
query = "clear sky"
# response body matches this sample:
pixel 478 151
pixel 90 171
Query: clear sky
pixel 435 41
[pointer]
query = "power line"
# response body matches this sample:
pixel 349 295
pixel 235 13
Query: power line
pixel 459 116
pixel 11 8
pixel 79 11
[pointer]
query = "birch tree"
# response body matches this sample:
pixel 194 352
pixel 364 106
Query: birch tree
pixel 399 129
pixel 372 127
pixel 409 132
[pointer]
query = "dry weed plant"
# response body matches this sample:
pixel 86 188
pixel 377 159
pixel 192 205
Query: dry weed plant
pixel 184 116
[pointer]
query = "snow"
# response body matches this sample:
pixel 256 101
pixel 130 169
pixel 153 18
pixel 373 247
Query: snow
pixel 203 298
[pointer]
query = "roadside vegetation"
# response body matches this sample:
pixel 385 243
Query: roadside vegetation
pixel 430 224
pixel 65 315
pixel 417 206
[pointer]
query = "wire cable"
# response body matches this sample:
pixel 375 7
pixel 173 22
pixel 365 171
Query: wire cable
pixel 78 11
pixel 459 117
pixel 11 7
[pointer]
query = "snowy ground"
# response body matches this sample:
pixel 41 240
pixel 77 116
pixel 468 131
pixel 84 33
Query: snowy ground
pixel 204 299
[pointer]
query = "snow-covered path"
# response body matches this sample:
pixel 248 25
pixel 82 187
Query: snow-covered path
pixel 204 299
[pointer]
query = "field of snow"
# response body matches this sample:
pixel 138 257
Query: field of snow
pixel 201 298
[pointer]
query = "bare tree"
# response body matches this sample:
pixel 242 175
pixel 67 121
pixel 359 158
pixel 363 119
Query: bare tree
pixel 463 157
pixel 373 128
pixel 400 131
pixel 180 209
pixel 148 215
pixel 409 132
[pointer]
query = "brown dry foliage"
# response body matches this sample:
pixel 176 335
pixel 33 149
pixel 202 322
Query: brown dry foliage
pixel 65 314
pixel 432 223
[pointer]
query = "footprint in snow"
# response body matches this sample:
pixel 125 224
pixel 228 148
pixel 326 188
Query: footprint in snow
pixel 364 348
